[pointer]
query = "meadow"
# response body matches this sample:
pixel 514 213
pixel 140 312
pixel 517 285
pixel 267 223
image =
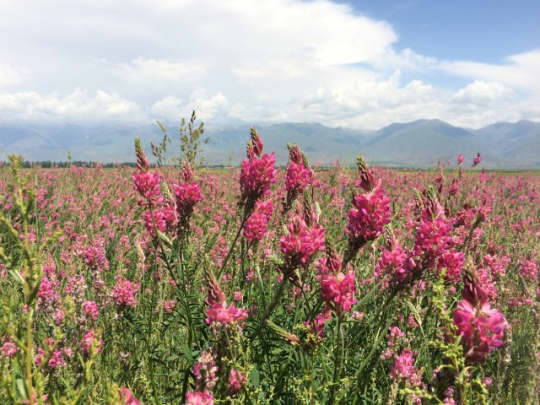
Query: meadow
pixel 260 285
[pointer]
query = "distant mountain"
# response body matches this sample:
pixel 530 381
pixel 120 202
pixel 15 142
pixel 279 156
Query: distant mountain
pixel 419 143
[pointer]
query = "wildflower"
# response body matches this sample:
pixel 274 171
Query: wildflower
pixel 205 371
pixel 218 312
pixel 199 398
pixel 127 396
pixel 236 381
pixel 56 360
pixel 393 263
pixel 187 195
pixel 160 218
pixel 9 349
pixel 460 159
pixel 529 269
pixel 257 222
pixel 337 288
pixel 370 213
pixel 89 340
pixel 299 174
pixel 257 173
pixel 124 293
pixel 481 329
pixel 301 242
pixel 91 309
pixel 147 185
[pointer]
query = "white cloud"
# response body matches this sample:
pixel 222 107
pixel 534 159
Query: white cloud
pixel 10 75
pixel 78 105
pixel 519 71
pixel 275 60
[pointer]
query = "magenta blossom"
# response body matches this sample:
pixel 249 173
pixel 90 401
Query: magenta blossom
pixel 199 398
pixel 256 224
pixel 301 242
pixel 370 213
pixel 481 329
pixel 124 293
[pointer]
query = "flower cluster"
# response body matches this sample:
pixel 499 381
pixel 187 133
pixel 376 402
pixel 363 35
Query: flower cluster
pixel 337 288
pixel 301 242
pixel 257 173
pixel 148 186
pixel 299 174
pixel 124 293
pixel 218 313
pixel 257 222
pixel 370 213
pixel 481 329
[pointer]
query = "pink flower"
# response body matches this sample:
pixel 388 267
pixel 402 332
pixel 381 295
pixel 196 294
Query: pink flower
pixel 460 159
pixel 9 349
pixel 236 381
pixel 403 367
pixel 337 288
pixel 57 360
pixel 205 371
pixel 163 218
pixel 218 312
pixel 187 195
pixel 298 176
pixel 127 396
pixel 529 269
pixel 124 293
pixel 91 309
pixel 199 398
pixel 256 177
pixel 89 339
pixel 301 242
pixel 481 330
pixel 371 212
pixel 147 184
pixel 94 257
pixel 256 224
pixel 393 263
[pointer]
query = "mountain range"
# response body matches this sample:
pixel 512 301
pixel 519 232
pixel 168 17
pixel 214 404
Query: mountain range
pixel 420 143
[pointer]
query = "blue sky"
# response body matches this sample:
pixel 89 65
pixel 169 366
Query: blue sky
pixel 352 64
pixel 486 31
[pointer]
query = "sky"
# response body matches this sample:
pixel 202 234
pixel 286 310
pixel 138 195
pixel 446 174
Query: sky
pixel 356 64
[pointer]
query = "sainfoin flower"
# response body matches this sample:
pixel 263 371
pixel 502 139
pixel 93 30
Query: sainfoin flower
pixel 8 349
pixel 481 329
pixel 370 213
pixel 301 242
pixel 91 310
pixel 147 184
pixel 90 339
pixel 187 195
pixel 236 381
pixel 205 371
pixel 394 265
pixel 218 313
pixel 257 173
pixel 256 224
pixel 124 293
pixel 256 176
pixel 127 396
pixel 298 176
pixel 337 288
pixel 199 398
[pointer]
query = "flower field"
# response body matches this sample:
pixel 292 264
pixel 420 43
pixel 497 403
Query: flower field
pixel 296 285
